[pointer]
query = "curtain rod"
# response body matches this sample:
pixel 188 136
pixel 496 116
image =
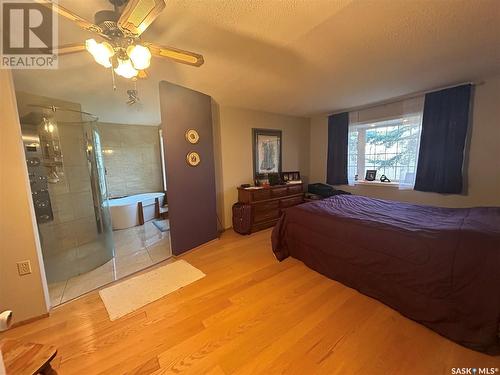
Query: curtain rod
pixel 403 97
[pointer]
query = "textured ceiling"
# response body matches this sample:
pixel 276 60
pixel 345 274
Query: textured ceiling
pixel 294 57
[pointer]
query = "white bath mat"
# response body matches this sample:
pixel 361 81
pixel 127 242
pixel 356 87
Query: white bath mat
pixel 132 294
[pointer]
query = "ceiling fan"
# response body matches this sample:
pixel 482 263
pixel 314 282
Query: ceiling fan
pixel 122 48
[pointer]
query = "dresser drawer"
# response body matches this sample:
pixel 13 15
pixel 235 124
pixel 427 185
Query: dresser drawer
pixel 296 189
pixel 260 195
pixel 289 202
pixel 266 211
pixel 279 192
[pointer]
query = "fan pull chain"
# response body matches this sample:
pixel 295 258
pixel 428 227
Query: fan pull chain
pixel 113 78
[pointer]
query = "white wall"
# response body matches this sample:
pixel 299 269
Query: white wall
pixel 25 295
pixel 484 157
pixel 234 126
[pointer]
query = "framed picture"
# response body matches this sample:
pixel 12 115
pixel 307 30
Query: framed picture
pixel 266 151
pixel 290 176
pixel 371 174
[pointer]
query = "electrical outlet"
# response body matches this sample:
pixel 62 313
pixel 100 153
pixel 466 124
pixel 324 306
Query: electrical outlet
pixel 24 267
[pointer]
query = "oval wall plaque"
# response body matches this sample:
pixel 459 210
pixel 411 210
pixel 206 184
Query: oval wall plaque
pixel 192 136
pixel 193 159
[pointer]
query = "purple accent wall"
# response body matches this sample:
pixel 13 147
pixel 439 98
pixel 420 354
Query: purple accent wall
pixel 190 190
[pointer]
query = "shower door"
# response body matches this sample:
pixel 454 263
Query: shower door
pixel 104 245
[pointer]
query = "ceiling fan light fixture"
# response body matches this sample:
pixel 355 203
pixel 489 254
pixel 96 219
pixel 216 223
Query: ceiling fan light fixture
pixel 140 56
pixel 126 69
pixel 102 52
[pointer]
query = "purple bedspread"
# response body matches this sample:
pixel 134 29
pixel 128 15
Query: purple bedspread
pixel 438 266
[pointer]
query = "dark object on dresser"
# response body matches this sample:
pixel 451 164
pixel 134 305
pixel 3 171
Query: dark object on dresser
pixel 263 207
pixel 438 266
pixel 274 179
pixel 324 190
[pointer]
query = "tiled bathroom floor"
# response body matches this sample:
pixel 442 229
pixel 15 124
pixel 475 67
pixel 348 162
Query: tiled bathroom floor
pixel 135 249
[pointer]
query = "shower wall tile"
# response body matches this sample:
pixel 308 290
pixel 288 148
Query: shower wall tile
pixel 115 187
pixel 141 136
pixel 62 208
pixel 65 236
pixel 63 216
pixel 78 178
pixel 72 145
pixel 82 205
pixel 71 159
pixel 85 230
pixel 132 158
pixel 110 136
pixel 114 162
pixel 57 238
pixel 60 187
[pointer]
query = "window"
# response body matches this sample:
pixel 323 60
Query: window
pixel 389 146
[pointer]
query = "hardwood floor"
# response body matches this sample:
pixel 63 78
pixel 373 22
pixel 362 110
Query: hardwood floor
pixel 249 315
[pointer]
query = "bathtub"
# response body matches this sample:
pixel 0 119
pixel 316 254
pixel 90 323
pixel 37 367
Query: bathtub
pixel 125 213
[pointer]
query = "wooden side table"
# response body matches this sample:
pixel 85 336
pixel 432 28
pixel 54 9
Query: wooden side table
pixel 21 358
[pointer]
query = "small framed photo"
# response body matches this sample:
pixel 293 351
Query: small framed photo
pixel 290 176
pixel 371 174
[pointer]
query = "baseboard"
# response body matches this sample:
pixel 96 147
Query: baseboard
pixel 196 248
pixel 30 320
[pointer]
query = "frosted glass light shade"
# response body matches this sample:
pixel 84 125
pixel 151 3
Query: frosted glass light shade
pixel 126 69
pixel 102 52
pixel 140 56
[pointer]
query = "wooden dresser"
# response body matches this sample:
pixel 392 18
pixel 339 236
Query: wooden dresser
pixel 267 204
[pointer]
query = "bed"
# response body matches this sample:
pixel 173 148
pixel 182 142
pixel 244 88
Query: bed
pixel 437 266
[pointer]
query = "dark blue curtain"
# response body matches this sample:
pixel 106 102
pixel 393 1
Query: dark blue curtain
pixel 444 130
pixel 336 166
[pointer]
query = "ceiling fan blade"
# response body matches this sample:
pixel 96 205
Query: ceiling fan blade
pixel 81 22
pixel 139 14
pixel 178 55
pixel 67 49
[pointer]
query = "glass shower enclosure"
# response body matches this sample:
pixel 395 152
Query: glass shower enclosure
pixel 68 186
